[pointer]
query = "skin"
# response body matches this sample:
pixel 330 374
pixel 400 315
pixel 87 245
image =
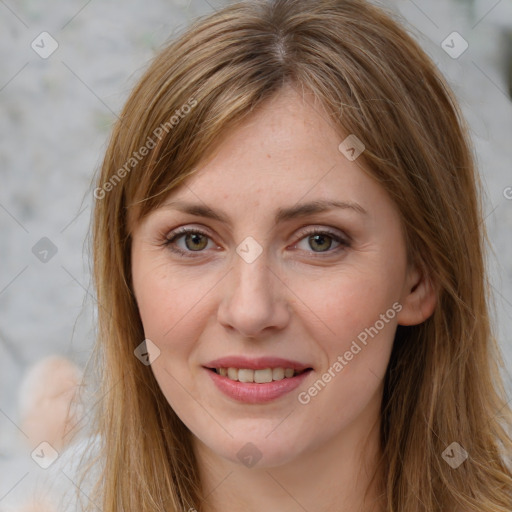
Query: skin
pixel 299 299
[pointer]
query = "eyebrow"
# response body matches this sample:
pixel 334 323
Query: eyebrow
pixel 283 214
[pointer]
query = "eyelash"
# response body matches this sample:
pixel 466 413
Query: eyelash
pixel 172 237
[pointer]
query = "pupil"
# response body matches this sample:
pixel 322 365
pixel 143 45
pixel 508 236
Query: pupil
pixel 321 237
pixel 194 236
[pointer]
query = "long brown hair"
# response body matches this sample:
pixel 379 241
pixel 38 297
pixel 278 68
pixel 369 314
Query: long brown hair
pixel 443 382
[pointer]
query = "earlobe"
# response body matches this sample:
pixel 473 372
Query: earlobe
pixel 419 299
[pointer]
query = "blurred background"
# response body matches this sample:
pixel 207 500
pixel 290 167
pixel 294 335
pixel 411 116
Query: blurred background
pixel 66 70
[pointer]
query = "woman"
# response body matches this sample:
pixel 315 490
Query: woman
pixel 289 258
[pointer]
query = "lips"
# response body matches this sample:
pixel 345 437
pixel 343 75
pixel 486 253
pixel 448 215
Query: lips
pixel 239 377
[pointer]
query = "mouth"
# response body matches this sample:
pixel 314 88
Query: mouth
pixel 257 380
pixel 261 376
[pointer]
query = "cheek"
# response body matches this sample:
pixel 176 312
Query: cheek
pixel 352 300
pixel 170 312
pixel 165 302
pixel 357 347
pixel 152 295
pixel 357 308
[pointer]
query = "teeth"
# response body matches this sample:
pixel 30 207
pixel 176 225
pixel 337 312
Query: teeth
pixel 245 375
pixel 278 374
pixel 258 376
pixel 262 376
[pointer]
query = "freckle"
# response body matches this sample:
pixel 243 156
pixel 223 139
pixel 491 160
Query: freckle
pixel 268 156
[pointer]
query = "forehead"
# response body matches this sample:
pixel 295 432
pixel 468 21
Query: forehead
pixel 288 143
pixel 280 157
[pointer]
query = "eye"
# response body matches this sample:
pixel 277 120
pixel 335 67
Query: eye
pixel 194 240
pixel 322 240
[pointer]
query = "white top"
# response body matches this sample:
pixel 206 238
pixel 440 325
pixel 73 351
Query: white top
pixel 44 483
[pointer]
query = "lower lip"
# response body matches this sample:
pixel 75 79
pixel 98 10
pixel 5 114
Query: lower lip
pixel 254 393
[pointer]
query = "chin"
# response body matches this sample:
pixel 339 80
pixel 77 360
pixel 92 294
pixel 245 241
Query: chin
pixel 257 452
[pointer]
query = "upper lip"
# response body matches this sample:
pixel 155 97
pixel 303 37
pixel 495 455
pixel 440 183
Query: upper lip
pixel 258 363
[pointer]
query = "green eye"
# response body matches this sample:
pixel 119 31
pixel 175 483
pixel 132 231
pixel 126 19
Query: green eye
pixel 193 242
pixel 196 241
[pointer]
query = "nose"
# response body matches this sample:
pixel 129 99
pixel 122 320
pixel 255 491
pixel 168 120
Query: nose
pixel 255 299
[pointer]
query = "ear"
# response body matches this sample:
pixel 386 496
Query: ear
pixel 419 297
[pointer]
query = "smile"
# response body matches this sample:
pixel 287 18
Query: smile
pixel 257 376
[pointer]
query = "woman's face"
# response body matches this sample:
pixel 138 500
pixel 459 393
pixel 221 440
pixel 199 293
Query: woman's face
pixel 280 285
